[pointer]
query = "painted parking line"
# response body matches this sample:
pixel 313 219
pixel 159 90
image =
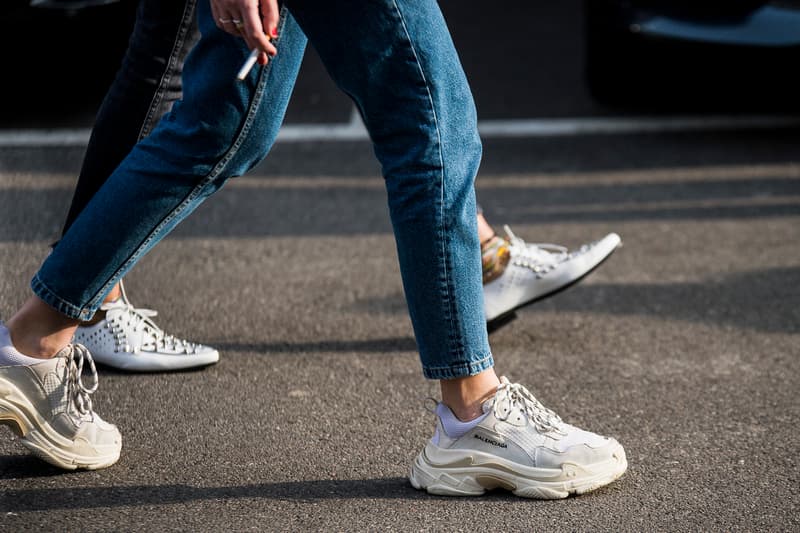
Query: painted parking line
pixel 489 129
pixel 702 175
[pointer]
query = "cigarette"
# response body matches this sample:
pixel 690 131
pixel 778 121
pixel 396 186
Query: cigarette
pixel 248 65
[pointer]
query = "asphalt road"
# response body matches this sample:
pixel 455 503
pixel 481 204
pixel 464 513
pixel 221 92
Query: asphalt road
pixel 683 345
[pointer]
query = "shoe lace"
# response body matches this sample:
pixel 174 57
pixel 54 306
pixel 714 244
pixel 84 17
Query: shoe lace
pixel 139 320
pixel 77 392
pixel 539 257
pixel 510 395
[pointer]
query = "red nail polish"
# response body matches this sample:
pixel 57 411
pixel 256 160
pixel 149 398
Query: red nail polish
pixel 274 32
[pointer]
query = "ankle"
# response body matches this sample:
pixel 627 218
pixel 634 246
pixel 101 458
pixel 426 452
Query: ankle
pixel 38 330
pixel 465 396
pixel 96 319
pixel 114 294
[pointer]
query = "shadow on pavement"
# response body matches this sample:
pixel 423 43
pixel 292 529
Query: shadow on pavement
pixel 762 300
pixel 390 345
pixel 109 497
pixel 334 207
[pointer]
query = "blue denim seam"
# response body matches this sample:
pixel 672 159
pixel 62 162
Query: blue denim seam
pixel 459 370
pixel 88 311
pixel 453 341
pixel 180 38
pixel 56 302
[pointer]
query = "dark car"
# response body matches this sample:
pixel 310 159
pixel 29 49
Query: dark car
pixel 737 54
pixel 60 54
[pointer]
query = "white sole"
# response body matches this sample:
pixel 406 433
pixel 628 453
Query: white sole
pixel 143 362
pixel 466 478
pixel 38 436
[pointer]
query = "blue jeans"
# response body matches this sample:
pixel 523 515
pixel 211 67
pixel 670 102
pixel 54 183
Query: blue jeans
pixel 396 60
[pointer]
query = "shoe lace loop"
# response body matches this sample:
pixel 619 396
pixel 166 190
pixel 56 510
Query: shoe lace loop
pixel 139 319
pixel 77 391
pixel 510 395
pixel 539 257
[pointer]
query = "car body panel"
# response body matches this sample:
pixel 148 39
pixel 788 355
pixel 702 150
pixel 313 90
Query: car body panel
pixel 767 26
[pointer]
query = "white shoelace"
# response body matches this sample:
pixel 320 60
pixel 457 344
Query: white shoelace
pixel 510 395
pixel 77 393
pixel 539 257
pixel 138 320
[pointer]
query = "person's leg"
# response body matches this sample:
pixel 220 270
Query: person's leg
pixel 218 130
pixel 399 65
pixel 144 89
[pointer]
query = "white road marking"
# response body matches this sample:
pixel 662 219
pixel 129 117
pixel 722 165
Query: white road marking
pixel 705 174
pixel 489 129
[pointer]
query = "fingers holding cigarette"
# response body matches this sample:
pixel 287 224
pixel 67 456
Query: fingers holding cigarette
pixel 256 56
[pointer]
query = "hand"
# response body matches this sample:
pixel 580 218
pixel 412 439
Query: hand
pixel 252 20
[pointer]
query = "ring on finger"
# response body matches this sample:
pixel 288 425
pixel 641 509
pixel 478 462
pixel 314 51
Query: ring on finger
pixel 237 23
pixel 225 21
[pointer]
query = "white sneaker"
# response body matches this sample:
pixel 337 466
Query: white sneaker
pixel 536 271
pixel 128 339
pixel 48 406
pixel 521 446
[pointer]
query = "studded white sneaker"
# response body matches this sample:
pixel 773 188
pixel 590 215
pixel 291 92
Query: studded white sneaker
pixel 128 339
pixel 520 446
pixel 536 271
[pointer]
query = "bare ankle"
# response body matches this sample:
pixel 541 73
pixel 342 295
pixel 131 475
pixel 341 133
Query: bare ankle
pixel 465 396
pixel 38 330
pixel 114 294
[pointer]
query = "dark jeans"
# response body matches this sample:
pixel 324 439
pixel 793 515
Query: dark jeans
pixel 144 89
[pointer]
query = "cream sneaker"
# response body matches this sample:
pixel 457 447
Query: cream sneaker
pixel 518 445
pixel 49 407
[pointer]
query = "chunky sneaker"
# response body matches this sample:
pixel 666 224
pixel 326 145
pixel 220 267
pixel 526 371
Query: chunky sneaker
pixel 518 445
pixel 128 339
pixel 48 406
pixel 536 271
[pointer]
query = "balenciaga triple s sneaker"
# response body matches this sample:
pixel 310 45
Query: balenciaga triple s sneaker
pixel 518 445
pixel 48 406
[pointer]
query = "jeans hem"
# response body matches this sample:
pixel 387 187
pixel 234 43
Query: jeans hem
pixel 56 302
pixel 461 370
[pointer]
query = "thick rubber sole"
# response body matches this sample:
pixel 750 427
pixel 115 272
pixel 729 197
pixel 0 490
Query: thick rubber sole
pixel 525 482
pixel 46 443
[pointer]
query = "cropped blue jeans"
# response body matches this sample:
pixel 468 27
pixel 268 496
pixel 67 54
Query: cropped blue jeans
pixel 396 60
